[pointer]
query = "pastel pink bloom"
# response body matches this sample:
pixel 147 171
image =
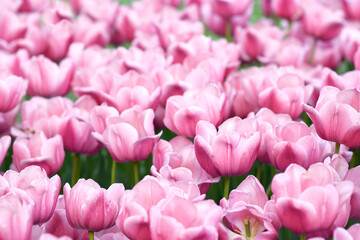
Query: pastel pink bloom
pixel 180 218
pixel 182 113
pixel 336 115
pixel 38 187
pixel 133 219
pixel 113 233
pixel 59 226
pixel 231 8
pixel 12 90
pixel 288 9
pixel 349 79
pixel 352 233
pixel 46 78
pixel 59 38
pixel 286 93
pixel 16 217
pixel 7 120
pixel 130 136
pixel 48 153
pixel 302 196
pixel 328 22
pixel 76 131
pixel 4 146
pixel 352 9
pixel 179 156
pixel 124 92
pixel 246 207
pixel 349 41
pixel 243 88
pixel 295 142
pixel 232 150
pixel 327 54
pixel 90 207
pixel 99 116
pixel 12 26
pixel 90 32
pixel 42 114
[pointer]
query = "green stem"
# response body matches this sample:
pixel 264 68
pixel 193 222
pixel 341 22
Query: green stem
pixel 226 187
pixel 268 190
pixel 337 148
pixel 312 52
pixel 135 167
pixel 76 169
pixel 303 237
pixel 259 171
pixel 228 31
pixel 113 172
pixel 91 235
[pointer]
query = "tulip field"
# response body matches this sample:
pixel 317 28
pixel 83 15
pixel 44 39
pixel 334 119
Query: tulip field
pixel 179 119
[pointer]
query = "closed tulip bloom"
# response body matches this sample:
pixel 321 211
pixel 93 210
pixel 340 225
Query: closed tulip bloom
pixel 16 217
pixel 12 90
pixel 321 22
pixel 182 113
pixel 353 176
pixel 230 8
pixel 42 190
pixel 4 146
pixel 46 78
pixel 7 120
pixel 131 136
pixel 90 207
pixel 302 196
pixel 179 218
pixel 47 153
pixel 288 9
pixel 295 142
pixel 352 9
pixel 230 151
pixel 336 115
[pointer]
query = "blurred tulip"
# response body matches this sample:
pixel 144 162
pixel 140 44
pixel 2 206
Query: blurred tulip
pixel 47 153
pixel 4 146
pixel 88 206
pixel 12 90
pixel 42 190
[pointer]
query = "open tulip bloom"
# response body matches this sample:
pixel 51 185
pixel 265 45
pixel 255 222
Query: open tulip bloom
pixel 194 119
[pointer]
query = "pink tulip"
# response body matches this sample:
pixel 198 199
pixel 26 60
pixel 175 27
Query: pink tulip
pixel 48 153
pixel 352 9
pixel 228 9
pixel 295 142
pixel 353 176
pixel 179 218
pixel 41 114
pixel 179 156
pixel 267 120
pixel 113 233
pixel 90 207
pixel 352 233
pixel 291 10
pixel 42 190
pixel 130 136
pixel 76 131
pixel 244 211
pixel 133 219
pixel 48 236
pixel 12 25
pixel 16 217
pixel 46 78
pixel 336 115
pixel 328 22
pixel 302 196
pixel 195 105
pixel 285 94
pixel 230 151
pixel 4 146
pixel 34 5
pixel 59 226
pixel 12 90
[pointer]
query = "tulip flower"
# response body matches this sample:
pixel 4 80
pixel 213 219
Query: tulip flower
pixel 4 146
pixel 48 153
pixel 39 188
pixel 12 90
pixel 90 207
pixel 336 115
